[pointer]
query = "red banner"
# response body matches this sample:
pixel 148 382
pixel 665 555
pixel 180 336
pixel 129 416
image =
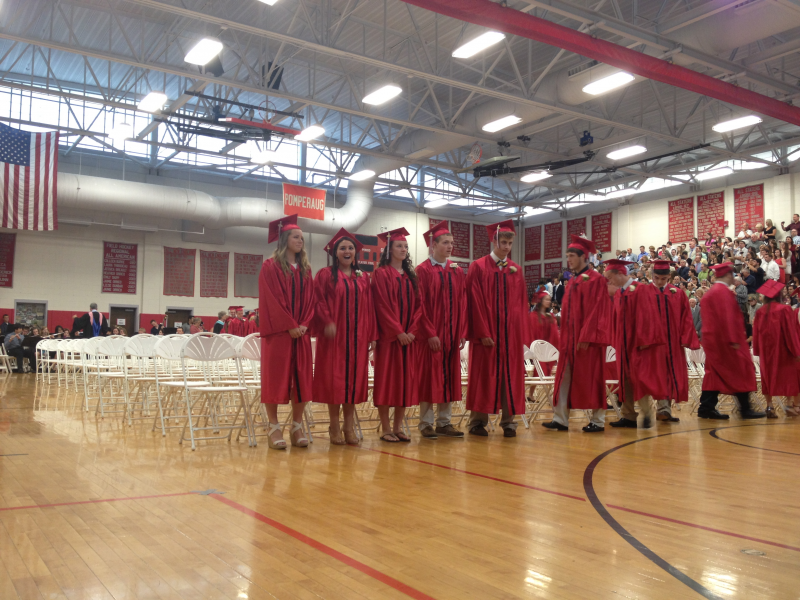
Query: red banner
pixel 461 237
pixel 576 227
pixel 480 241
pixel 179 271
pixel 680 216
pixel 119 268
pixel 303 201
pixel 748 206
pixel 552 240
pixel 533 243
pixel 8 243
pixel 246 268
pixel 552 269
pixel 710 214
pixel 601 232
pixel 371 254
pixel 533 274
pixel 214 274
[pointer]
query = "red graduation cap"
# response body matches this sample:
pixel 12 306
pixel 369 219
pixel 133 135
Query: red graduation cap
pixel 502 227
pixel 661 267
pixel 771 289
pixel 232 307
pixel 722 269
pixel 395 235
pixel 614 264
pixel 441 228
pixel 537 296
pixel 584 245
pixel 341 234
pixel 278 226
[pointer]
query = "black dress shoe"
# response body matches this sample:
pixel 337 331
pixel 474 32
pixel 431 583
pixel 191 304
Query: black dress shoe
pixel 479 430
pixel 623 422
pixel 751 414
pixel 555 426
pixel 646 423
pixel 592 428
pixel 509 432
pixel 714 414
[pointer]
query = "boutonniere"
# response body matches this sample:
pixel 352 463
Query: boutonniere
pixel 359 273
pixel 632 287
pixel 512 269
pixel 453 266
pixel 672 290
pixel 585 277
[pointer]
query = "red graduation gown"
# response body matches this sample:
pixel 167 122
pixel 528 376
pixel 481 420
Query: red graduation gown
pixel 444 299
pixel 544 327
pixel 586 313
pixel 284 302
pixel 675 312
pixel 727 370
pixel 397 310
pixel 232 326
pixel 341 365
pixel 497 308
pixel 776 341
pixel 637 323
pixel 252 327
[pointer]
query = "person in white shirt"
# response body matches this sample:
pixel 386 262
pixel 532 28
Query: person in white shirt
pixel 771 268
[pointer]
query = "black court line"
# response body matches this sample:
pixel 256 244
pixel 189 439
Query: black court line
pixel 713 433
pixel 588 487
pixel 1 455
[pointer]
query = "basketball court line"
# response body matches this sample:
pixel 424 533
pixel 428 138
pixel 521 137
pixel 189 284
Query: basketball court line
pixel 101 500
pixel 713 433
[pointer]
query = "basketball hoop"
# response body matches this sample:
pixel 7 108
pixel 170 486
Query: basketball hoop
pixel 265 107
pixel 475 154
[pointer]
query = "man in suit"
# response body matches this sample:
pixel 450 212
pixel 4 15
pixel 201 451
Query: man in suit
pixel 5 327
pixel 86 324
pixel 694 305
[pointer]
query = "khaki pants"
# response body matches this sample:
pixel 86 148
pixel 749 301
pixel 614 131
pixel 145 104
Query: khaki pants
pixel 507 420
pixel 562 408
pixel 664 406
pixel 426 414
pixel 628 405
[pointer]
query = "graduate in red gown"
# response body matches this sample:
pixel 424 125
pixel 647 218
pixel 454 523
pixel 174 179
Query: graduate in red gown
pixel 286 307
pixel 345 328
pixel 252 323
pixel 442 288
pixel 232 323
pixel 585 333
pixel 640 339
pixel 497 329
pixel 776 342
pixel 729 366
pixel 398 311
pixel 543 325
pixel 243 326
pixel 674 311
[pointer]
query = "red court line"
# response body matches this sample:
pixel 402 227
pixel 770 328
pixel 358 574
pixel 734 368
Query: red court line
pixel 696 526
pixel 94 501
pixel 350 562
pixel 522 485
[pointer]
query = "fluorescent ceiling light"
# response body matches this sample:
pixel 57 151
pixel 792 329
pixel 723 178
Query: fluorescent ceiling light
pixel 713 173
pixel 382 95
pixel 530 211
pixel 362 175
pixel 153 102
pixel 310 133
pixel 749 165
pixel 736 123
pixel 606 84
pixel 203 51
pixel 269 2
pixel 535 176
pixel 501 123
pixel 437 203
pixel 471 202
pixel 121 132
pixel 483 41
pixel 626 152
pixel 513 209
pixel 621 193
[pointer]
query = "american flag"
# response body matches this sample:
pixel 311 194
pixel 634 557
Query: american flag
pixel 28 172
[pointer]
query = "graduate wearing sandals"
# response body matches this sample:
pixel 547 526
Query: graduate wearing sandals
pixel 398 312
pixel 286 307
pixel 345 328
pixel 442 284
pixel 776 342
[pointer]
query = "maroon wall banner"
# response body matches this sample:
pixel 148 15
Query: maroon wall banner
pixel 552 241
pixel 214 274
pixel 8 243
pixel 710 214
pixel 576 227
pixel 552 269
pixel 246 268
pixel 480 241
pixel 461 238
pixel 119 268
pixel 601 232
pixel 533 243
pixel 533 274
pixel 179 271
pixel 748 206
pixel 680 216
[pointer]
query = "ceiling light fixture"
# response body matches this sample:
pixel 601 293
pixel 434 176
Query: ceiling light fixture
pixel 530 211
pixel 121 132
pixel 382 95
pixel 362 175
pixel 535 176
pixel 499 124
pixel 480 43
pixel 437 203
pixel 713 173
pixel 311 132
pixel 153 102
pixel 203 51
pixel 726 126
pixel 626 152
pixel 606 84
pixel 269 2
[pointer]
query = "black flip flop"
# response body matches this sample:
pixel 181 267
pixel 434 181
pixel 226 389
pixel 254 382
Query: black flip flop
pixel 384 438
pixel 402 437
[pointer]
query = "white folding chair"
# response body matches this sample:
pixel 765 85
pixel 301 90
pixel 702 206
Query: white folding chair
pixel 109 356
pixel 540 384
pixel 612 385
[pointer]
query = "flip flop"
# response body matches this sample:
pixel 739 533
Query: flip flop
pixel 386 439
pixel 402 436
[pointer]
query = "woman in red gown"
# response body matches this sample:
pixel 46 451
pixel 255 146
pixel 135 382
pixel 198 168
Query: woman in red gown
pixel 398 311
pixel 286 307
pixel 344 325
pixel 544 325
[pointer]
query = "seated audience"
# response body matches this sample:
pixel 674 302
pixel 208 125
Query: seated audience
pixel 13 344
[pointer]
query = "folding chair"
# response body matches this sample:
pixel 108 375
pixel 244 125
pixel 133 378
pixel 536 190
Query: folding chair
pixel 109 355
pixel 542 385
pixel 612 385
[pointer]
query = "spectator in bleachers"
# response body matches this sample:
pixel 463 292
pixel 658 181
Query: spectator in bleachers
pixel 752 307
pixel 757 272
pixel 770 231
pixel 741 294
pixel 694 306
pixel 793 228
pixel 155 327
